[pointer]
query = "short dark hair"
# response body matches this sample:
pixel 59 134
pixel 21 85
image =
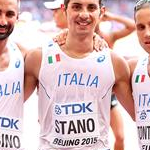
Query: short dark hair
pixel 141 4
pixel 67 1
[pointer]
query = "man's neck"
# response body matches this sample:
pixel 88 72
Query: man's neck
pixel 3 46
pixel 4 56
pixel 78 47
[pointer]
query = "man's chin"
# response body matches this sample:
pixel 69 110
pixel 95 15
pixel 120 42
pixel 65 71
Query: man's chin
pixel 5 35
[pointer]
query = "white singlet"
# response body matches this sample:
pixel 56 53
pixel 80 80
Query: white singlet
pixel 141 93
pixel 74 100
pixel 11 101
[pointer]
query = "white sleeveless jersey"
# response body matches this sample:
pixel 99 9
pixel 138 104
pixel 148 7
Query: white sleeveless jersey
pixel 11 101
pixel 74 100
pixel 141 93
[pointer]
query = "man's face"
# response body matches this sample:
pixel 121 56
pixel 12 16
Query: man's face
pixel 60 18
pixel 82 16
pixel 8 17
pixel 143 27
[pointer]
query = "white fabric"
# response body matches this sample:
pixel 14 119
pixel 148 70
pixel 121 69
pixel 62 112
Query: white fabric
pixel 74 100
pixel 11 101
pixel 54 4
pixel 141 93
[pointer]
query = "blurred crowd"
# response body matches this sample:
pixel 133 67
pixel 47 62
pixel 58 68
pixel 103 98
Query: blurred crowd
pixel 36 21
pixel 39 12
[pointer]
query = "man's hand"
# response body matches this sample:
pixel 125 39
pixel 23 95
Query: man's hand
pixel 99 43
pixel 61 37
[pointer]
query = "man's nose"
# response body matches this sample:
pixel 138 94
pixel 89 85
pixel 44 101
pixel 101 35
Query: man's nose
pixel 147 32
pixel 84 14
pixel 3 20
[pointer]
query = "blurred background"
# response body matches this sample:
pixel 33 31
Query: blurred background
pixel 36 23
pixel 40 13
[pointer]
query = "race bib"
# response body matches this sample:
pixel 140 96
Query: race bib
pixel 10 133
pixel 75 125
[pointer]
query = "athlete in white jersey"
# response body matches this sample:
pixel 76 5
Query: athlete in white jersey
pixel 140 72
pixel 74 99
pixel 11 79
pixel 75 84
pixel 141 93
pixel 11 100
pixel 59 16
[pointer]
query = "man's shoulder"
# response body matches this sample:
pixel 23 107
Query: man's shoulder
pixel 132 62
pixel 22 49
pixel 33 60
pixel 120 65
pixel 116 57
pixel 35 52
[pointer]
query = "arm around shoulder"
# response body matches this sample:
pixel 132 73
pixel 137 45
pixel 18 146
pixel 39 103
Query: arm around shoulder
pixel 32 68
pixel 122 87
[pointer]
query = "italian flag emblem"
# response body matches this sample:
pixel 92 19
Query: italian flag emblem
pixel 54 58
pixel 139 78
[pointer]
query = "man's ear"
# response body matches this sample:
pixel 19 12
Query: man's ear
pixel 18 16
pixel 102 11
pixel 62 7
